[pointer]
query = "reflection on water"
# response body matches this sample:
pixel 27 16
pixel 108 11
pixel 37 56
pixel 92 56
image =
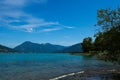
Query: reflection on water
pixel 44 66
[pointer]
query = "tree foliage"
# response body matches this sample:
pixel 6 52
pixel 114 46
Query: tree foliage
pixel 108 18
pixel 87 44
pixel 112 43
pixel 108 40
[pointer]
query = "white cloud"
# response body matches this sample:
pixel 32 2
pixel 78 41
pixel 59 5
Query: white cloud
pixel 20 3
pixel 69 27
pixel 50 29
pixel 31 23
pixel 12 16
pixel 29 29
pixel 15 2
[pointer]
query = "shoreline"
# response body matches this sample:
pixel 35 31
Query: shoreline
pixel 94 74
pixel 67 75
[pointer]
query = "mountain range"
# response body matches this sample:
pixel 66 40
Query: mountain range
pixel 38 48
pixel 6 49
pixel 74 48
pixel 30 47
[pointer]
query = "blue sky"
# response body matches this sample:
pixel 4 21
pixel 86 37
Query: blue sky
pixel 63 22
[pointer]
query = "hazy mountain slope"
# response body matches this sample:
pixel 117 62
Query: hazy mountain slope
pixel 38 48
pixel 5 49
pixel 73 48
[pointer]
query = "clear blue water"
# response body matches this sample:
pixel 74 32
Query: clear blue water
pixel 44 66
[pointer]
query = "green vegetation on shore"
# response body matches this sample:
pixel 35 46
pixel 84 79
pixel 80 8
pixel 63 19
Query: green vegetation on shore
pixel 107 41
pixel 83 54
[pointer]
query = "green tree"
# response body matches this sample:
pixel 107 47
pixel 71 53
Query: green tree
pixel 108 39
pixel 98 43
pixel 112 43
pixel 87 44
pixel 108 18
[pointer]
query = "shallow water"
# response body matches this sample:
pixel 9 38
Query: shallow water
pixel 44 66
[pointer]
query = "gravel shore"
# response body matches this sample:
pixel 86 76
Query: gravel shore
pixel 93 74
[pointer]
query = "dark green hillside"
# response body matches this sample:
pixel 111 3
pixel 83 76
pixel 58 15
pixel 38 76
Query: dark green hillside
pixel 5 49
pixel 30 47
pixel 74 48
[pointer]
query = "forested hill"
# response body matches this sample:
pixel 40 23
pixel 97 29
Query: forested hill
pixel 31 47
pixel 5 49
pixel 74 48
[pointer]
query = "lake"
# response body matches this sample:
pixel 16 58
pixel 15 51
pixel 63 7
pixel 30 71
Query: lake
pixel 44 66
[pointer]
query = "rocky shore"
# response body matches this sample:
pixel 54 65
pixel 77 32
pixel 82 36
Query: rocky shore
pixel 94 74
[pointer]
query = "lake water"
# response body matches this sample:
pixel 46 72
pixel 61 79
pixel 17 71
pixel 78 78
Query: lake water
pixel 44 66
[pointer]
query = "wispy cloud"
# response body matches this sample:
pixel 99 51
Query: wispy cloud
pixel 13 16
pixel 68 27
pixel 14 3
pixel 20 3
pixel 31 24
pixel 50 29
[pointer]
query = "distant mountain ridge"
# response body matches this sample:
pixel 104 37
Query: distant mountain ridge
pixel 74 48
pixel 6 49
pixel 30 47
